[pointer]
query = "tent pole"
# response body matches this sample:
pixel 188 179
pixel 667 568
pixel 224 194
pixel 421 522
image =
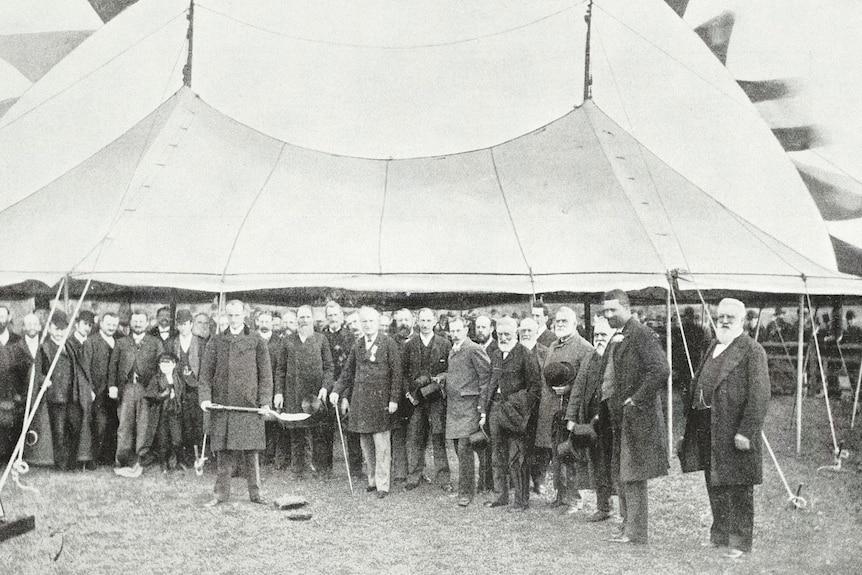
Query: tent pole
pixel 670 443
pixel 588 318
pixel 66 294
pixel 799 367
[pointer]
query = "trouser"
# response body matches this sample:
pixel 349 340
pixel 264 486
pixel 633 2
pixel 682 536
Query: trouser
pixel 486 471
pixel 376 447
pixel 321 449
pixel 539 465
pixel 151 444
pixel 170 437
pixel 600 456
pixel 8 440
pixel 399 450
pixel 326 441
pixel 732 505
pixel 354 453
pixel 508 460
pixel 634 508
pixel 418 430
pixel 193 424
pixel 278 444
pixel 66 421
pixel 466 467
pixel 134 416
pixel 104 425
pixel 245 463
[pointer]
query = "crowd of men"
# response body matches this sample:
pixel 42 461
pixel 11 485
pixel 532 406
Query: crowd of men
pixel 525 401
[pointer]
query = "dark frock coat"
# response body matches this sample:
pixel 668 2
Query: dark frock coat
pixel 236 371
pixel 739 403
pixel 640 373
pixel 303 369
pixel 371 379
pixel 573 350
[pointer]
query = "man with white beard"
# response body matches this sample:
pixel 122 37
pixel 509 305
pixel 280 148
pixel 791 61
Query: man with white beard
pixel 588 406
pixel 569 348
pixel 305 372
pixel 508 404
pixel 725 406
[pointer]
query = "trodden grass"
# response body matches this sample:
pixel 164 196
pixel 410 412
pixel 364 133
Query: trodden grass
pixel 156 524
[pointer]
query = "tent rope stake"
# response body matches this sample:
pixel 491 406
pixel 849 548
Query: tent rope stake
pixel 795 499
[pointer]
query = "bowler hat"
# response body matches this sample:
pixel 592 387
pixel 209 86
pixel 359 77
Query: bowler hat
pixel 311 404
pixel 558 374
pixel 87 316
pixel 184 315
pixel 59 319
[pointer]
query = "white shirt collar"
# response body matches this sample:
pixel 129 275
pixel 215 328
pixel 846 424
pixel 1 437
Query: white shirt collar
pixel 32 344
pixel 266 336
pixel 79 337
pixel 4 337
pixel 426 339
pixel 108 339
pixel 138 337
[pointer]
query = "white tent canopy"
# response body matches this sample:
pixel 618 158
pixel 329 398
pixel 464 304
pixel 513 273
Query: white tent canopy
pixel 402 148
pixel 35 35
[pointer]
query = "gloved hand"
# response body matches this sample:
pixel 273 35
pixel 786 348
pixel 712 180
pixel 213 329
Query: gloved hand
pixel 333 398
pixel 113 392
pixel 393 407
pixel 278 401
pixel 206 404
pixel 321 395
pixel 741 442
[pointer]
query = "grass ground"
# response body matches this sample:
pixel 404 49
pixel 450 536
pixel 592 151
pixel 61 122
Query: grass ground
pixel 156 524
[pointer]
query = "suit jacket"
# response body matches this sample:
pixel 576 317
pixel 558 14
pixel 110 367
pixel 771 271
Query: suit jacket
pixel 196 353
pixel 518 374
pixel 68 382
pixel 547 338
pixel 466 379
pixel 372 379
pixel 15 364
pixel 740 398
pixel 96 361
pixel 236 371
pixel 14 338
pixel 640 373
pixel 412 361
pixel 127 355
pixel 586 396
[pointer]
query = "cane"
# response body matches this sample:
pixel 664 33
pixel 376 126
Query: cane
pixel 796 500
pixel 201 459
pixel 343 447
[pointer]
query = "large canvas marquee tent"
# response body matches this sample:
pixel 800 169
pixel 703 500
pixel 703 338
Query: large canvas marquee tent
pixel 34 36
pixel 799 63
pixel 399 146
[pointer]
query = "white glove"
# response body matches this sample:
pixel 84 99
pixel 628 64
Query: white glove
pixel 321 395
pixel 741 442
pixel 113 392
pixel 206 404
pixel 393 407
pixel 278 401
pixel 333 398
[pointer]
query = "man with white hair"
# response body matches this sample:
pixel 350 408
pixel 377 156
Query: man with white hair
pixel 372 378
pixel 588 406
pixel 725 406
pixel 571 348
pixel 508 405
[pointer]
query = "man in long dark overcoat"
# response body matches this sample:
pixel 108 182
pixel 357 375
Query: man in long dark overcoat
pixel 640 449
pixel 725 406
pixel 467 377
pixel 236 371
pixel 372 378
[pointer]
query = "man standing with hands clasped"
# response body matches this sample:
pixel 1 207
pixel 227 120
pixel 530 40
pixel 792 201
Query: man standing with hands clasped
pixel 725 406
pixel 372 378
pixel 640 453
pixel 236 371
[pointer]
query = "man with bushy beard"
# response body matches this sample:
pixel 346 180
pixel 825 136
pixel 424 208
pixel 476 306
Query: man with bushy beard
pixel 725 406
pixel 508 404
pixel 484 336
pixel 403 332
pixel 588 405
pixel 484 333
pixel 640 374
pixel 277 437
pixel 305 372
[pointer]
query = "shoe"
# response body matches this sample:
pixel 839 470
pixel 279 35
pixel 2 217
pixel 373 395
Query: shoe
pixel 734 553
pixel 213 502
pixel 711 544
pixel 500 502
pixel 410 486
pixel 620 539
pixel 130 472
pixel 517 509
pixel 463 501
pixel 382 494
pixel 260 500
pixel 597 516
pixel 89 466
pixel 371 489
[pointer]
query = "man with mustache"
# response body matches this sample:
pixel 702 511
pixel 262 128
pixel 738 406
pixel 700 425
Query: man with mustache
pixel 305 372
pixel 403 332
pixel 515 380
pixel 640 374
pixel 725 406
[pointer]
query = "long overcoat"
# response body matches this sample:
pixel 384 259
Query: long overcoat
pixel 573 349
pixel 739 403
pixel 236 371
pixel 371 378
pixel 640 373
pixel 304 368
pixel 468 376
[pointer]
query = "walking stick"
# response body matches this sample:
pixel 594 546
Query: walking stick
pixel 200 460
pixel 343 447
